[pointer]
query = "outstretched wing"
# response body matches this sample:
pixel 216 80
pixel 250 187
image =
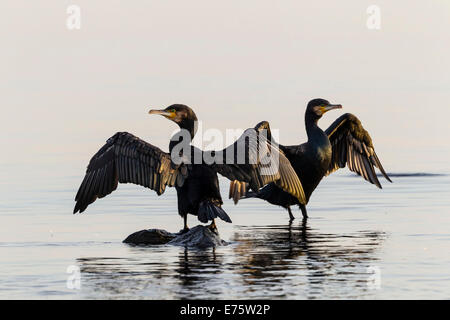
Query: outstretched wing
pixel 352 145
pixel 127 159
pixel 253 160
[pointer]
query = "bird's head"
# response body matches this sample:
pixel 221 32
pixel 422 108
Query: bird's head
pixel 180 114
pixel 317 107
pixel 177 113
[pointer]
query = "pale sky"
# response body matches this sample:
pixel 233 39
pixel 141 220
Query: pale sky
pixel 63 93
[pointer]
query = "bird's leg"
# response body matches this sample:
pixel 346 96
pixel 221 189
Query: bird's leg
pixel 186 228
pixel 304 213
pixel 213 226
pixel 291 216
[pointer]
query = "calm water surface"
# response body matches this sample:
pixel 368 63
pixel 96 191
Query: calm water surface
pixel 359 243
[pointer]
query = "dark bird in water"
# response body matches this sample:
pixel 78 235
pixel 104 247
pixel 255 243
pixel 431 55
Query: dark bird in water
pixel 127 159
pixel 345 142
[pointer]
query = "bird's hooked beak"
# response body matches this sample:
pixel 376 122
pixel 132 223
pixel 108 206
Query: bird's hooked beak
pixel 330 107
pixel 171 114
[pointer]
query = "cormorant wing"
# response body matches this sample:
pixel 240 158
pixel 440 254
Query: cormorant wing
pixel 127 159
pixel 287 150
pixel 352 145
pixel 263 163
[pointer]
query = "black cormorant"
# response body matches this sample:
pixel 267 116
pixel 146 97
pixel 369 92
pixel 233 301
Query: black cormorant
pixel 344 142
pixel 127 159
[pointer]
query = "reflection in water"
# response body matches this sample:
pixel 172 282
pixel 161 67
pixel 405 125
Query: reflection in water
pixel 278 261
pixel 296 260
pixel 121 277
pixel 325 258
pixel 198 272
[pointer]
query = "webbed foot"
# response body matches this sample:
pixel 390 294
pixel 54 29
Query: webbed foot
pixel 213 227
pixel 184 230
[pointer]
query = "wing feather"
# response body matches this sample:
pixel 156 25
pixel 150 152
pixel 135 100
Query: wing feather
pixel 352 146
pixel 127 159
pixel 264 163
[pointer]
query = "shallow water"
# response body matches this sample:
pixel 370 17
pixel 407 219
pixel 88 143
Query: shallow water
pixel 359 243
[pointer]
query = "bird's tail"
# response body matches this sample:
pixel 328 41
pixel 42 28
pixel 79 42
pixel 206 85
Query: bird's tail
pixel 208 210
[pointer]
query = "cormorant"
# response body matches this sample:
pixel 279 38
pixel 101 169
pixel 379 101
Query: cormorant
pixel 127 159
pixel 344 142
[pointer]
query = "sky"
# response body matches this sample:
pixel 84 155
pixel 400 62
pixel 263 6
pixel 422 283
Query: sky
pixel 64 92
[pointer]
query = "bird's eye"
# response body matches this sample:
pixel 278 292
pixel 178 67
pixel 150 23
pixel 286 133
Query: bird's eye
pixel 172 110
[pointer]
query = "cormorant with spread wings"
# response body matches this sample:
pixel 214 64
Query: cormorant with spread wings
pixel 345 142
pixel 127 159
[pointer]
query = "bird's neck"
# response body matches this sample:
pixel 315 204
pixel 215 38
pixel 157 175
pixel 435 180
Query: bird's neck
pixel 190 125
pixel 315 134
pixel 318 144
pixel 188 128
